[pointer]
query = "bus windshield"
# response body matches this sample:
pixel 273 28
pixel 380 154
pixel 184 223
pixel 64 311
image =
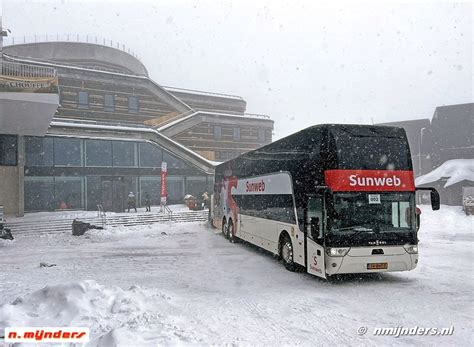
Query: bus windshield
pixel 354 213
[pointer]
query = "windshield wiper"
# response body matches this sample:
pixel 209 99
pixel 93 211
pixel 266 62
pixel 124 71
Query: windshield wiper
pixel 356 228
pixel 359 231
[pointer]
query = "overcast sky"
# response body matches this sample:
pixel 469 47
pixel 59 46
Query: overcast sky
pixel 300 62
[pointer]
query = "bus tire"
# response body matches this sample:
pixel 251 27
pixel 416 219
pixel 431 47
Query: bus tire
pixel 224 227
pixel 230 231
pixel 286 252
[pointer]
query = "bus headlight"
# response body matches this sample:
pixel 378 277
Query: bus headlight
pixel 411 249
pixel 337 252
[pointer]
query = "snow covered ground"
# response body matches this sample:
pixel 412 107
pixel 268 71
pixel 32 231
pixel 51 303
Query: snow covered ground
pixel 184 283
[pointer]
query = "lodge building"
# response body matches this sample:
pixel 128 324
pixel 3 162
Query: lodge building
pixel 110 129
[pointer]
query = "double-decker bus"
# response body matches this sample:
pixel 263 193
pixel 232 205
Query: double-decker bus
pixel 333 199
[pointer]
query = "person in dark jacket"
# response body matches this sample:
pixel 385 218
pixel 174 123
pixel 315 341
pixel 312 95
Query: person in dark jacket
pixel 147 202
pixel 131 202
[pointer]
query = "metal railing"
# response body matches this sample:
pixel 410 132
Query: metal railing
pixel 201 92
pixel 167 210
pixel 87 38
pixel 25 70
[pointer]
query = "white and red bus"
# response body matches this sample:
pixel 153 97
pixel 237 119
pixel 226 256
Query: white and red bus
pixel 333 199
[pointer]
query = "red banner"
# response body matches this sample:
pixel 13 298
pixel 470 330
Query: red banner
pixel 370 180
pixel 164 174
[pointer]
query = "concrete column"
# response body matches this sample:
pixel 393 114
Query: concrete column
pixel 21 176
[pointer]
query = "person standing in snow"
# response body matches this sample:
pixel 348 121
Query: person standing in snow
pixel 131 202
pixel 205 198
pixel 147 202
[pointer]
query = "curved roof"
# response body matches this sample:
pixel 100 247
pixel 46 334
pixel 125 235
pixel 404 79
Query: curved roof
pixel 80 54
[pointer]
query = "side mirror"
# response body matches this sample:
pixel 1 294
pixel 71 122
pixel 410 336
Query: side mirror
pixel 434 195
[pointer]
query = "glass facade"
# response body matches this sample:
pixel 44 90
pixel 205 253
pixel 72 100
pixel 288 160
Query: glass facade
pixel 68 192
pixel 150 185
pixel 98 153
pixel 67 152
pixel 173 162
pixel 39 151
pixel 175 185
pixel 196 185
pixel 39 194
pixel 73 173
pixel 8 150
pixel 93 192
pixel 150 156
pixel 124 153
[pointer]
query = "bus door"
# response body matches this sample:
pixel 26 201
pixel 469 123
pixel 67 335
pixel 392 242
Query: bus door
pixel 314 227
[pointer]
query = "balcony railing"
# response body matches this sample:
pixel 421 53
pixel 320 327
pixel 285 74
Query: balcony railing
pixel 11 40
pixel 26 70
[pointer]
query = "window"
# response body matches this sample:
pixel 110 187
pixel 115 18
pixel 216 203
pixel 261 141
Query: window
pixel 8 150
pixel 124 153
pixel 39 194
pixel 175 187
pixel 274 207
pixel 152 186
pixel 67 152
pixel 217 132
pixel 109 102
pixel 150 155
pixel 392 213
pixel 98 153
pixel 236 134
pixel 261 135
pixel 132 104
pixel 83 100
pixel 196 185
pixel 68 193
pixel 314 216
pixel 38 151
pixel 93 192
pixel 173 162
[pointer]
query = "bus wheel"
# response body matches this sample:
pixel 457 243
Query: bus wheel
pixel 230 231
pixel 286 253
pixel 224 228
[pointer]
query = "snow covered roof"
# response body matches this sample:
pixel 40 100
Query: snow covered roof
pixel 455 170
pixel 201 92
pixel 240 116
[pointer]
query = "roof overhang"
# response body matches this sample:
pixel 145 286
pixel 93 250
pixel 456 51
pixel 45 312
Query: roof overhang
pixel 27 113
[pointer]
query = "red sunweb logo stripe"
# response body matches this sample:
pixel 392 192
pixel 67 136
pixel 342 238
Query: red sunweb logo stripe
pixel 370 180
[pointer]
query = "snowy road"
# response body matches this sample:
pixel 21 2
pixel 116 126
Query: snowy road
pixel 138 286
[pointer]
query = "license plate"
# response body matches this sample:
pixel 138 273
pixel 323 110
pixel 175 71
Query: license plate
pixel 377 266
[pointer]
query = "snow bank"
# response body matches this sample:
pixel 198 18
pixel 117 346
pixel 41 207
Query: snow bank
pixel 455 170
pixel 114 316
pixel 231 294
